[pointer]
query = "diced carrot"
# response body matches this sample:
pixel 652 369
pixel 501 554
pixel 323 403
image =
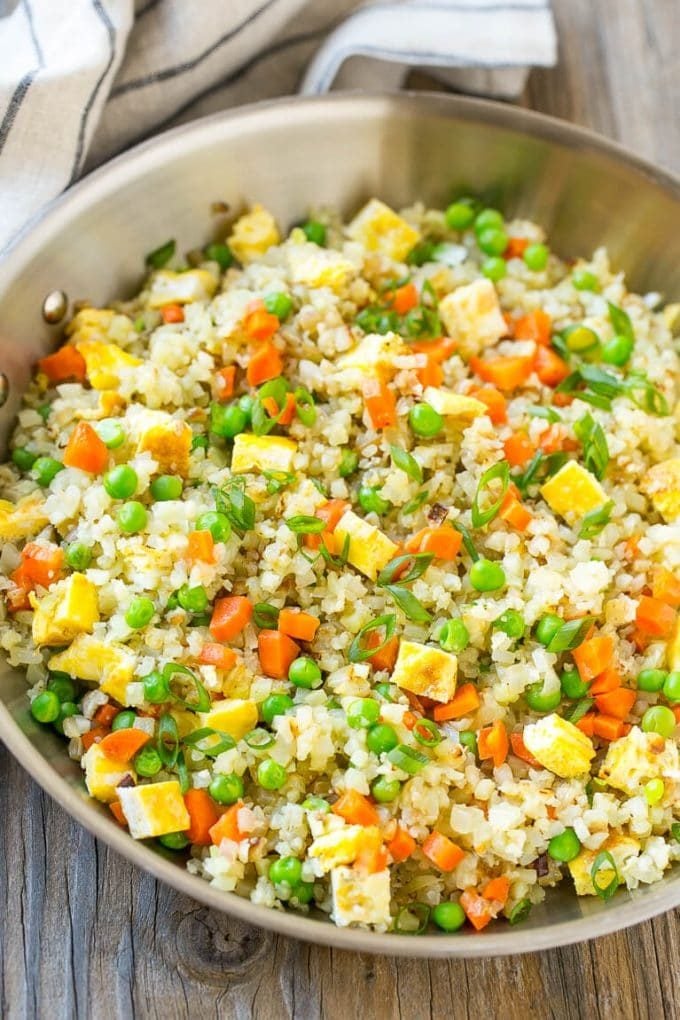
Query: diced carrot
pixel 40 564
pixel 437 350
pixel 259 324
pixel 405 298
pixel 123 745
pixel 287 414
pixel 516 247
pixel 495 402
pixel 608 680
pixel 536 326
pixel 298 625
pixel 676 713
pixel 410 720
pixel 617 703
pixel 203 814
pixel 66 363
pixel 497 889
pixel 225 380
pixel 331 511
pixel 277 651
pixel 431 374
pixel 356 809
pixel 226 826
pixel 655 617
pixel 442 851
pixel 117 812
pixel 666 586
pixel 270 406
pixel 381 404
pixel 550 368
pixel 214 654
pixel 85 450
pixel 105 715
pixel 640 640
pixel 172 313
pixel 402 845
pixel 443 542
pixel 265 363
pixel 593 656
pixel 492 742
pixel 586 724
pixel 507 372
pixel 94 736
pixel 520 750
pixel 562 399
pixel 230 615
pixel 478 910
pixel 631 548
pixel 372 855
pixel 512 511
pixel 464 702
pixel 201 547
pixel 518 449
pixel 387 656
pixel 608 727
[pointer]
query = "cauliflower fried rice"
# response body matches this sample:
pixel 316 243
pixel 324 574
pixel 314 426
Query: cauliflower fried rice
pixel 348 565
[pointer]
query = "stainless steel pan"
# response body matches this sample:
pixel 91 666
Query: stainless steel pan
pixel 336 150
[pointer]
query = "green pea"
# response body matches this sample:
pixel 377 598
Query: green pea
pixel 485 575
pixel 454 636
pixel 227 420
pixel 349 462
pixel 659 719
pixel 174 841
pixel 539 700
pixel 618 350
pixel 460 214
pixel 275 704
pixel 316 804
pixel 536 257
pixel 23 458
pixel 654 791
pixel 671 687
pixel 148 762
pixel 45 469
pixel 425 421
pixel 511 622
pixel 494 268
pixel 315 232
pixel 125 720
pixel 279 303
pixel 45 707
pixel 583 279
pixel 371 501
pixel 44 411
pixel 216 523
pixel 286 870
pixel 226 789
pixel 468 739
pixel 156 688
pixel 448 916
pixel 271 775
pixel 547 627
pixel 67 709
pixel 132 517
pixel 193 600
pixel 199 443
pixel 581 339
pixel 78 556
pixel 488 219
pixel 572 685
pixel 121 481
pixel 220 253
pixel 111 433
pixel 63 686
pixel 303 892
pixel 565 847
pixel 166 487
pixel 362 713
pixel 305 673
pixel 492 241
pixel 381 738
pixel 651 680
pixel 140 612
pixel 385 790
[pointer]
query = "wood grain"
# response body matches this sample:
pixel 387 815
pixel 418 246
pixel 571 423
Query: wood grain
pixel 83 934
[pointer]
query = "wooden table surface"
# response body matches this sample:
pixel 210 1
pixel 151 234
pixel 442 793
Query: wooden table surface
pixel 82 933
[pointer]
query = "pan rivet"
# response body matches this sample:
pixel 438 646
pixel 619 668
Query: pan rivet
pixel 54 307
pixel 4 388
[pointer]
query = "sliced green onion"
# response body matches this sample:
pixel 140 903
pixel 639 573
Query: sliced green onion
pixel 594 521
pixel 259 739
pixel 550 414
pixel 358 651
pixel 159 257
pixel 304 406
pixel 500 472
pixel 620 321
pixel 467 540
pixel 265 615
pixel 218 741
pixel 407 463
pixel 419 562
pixel 427 733
pixel 604 875
pixel 306 525
pixel 201 703
pixel 580 709
pixel 675 831
pixel 595 449
pixel 570 635
pixel 408 759
pixel 415 912
pixel 233 501
pixel 260 420
pixel 277 480
pixel 410 606
pixel 520 911
pixel 167 743
pixel 183 774
pixel 415 503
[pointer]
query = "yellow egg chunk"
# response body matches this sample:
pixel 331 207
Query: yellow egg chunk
pixel 111 666
pixel 235 716
pixel 169 444
pixel 620 847
pixel 23 519
pixel 673 648
pixel 424 670
pixel 373 355
pixel 252 234
pixel 662 485
pixel 154 809
pixel 102 775
pixel 90 324
pixel 340 846
pixel 638 757
pixel 69 608
pixel 318 267
pixel 369 549
pixel 472 316
pixel 168 287
pixel 262 453
pixel 573 492
pixel 454 405
pixel 360 898
pixel 559 746
pixel 380 229
pixel 104 361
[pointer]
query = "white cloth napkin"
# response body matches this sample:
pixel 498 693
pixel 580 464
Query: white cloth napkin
pixel 80 80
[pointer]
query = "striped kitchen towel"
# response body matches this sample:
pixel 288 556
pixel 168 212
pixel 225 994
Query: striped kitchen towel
pixel 81 80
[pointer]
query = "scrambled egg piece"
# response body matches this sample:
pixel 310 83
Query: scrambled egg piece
pixel 637 758
pixel 262 453
pixel 369 549
pixel 102 775
pixel 673 648
pixel 339 846
pixel 168 287
pixel 154 809
pixel 454 405
pixel 169 444
pixel 318 267
pixel 620 847
pixel 472 316
pixel 235 716
pixel 360 898
pixel 559 746
pixel 373 355
pixel 425 670
pixel 90 324
pixel 69 608
pixel 379 228
pixel 23 520
pixel 111 666
pixel 103 362
pixel 573 492
pixel 252 234
pixel 662 485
